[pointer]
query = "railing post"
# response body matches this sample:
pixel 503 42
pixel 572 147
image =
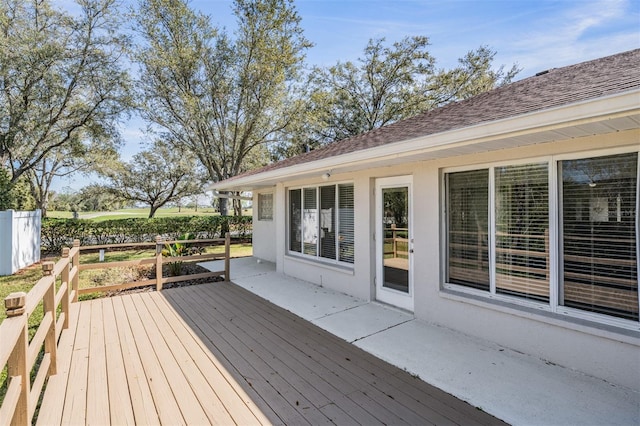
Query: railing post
pixel 76 266
pixel 159 245
pixel 65 279
pixel 395 243
pixel 49 308
pixel 227 254
pixel 17 363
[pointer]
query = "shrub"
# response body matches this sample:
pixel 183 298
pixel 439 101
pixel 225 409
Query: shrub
pixel 59 233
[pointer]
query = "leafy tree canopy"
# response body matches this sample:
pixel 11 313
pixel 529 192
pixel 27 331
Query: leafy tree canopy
pixel 390 82
pixel 157 176
pixel 61 78
pixel 220 96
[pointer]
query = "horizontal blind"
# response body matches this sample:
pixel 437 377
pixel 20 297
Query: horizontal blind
pixel 295 220
pixel 467 228
pixel 346 234
pixel 522 230
pixel 327 222
pixel 599 199
pixel 310 222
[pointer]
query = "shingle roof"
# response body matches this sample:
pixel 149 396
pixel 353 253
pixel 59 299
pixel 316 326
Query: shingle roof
pixel 553 88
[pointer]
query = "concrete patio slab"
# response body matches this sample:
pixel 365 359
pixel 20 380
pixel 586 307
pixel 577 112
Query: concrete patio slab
pixel 515 387
pixel 362 321
pixel 304 299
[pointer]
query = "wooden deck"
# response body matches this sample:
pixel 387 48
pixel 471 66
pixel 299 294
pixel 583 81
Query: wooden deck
pixel 218 354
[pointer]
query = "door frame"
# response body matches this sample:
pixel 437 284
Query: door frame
pixel 384 294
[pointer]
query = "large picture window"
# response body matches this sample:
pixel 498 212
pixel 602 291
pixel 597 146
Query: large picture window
pixel 321 222
pixel 499 241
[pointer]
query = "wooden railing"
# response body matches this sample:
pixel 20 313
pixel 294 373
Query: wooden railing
pixel 158 260
pixel 394 240
pixel 20 354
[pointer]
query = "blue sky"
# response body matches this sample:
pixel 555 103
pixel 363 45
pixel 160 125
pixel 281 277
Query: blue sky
pixel 537 35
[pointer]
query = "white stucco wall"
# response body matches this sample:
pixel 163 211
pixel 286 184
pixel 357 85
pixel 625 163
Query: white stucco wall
pixel 606 352
pixel 19 240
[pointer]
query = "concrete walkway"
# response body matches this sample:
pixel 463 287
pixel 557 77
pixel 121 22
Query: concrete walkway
pixel 514 387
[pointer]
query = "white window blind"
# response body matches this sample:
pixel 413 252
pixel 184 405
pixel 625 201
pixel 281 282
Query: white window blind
pixel 321 222
pixel 599 240
pixel 468 226
pixel 522 231
pixel 346 236
pixel 295 220
pixel 310 222
pixel 327 222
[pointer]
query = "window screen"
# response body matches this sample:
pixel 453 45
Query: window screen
pixel 295 220
pixel 468 226
pixel 599 201
pixel 321 222
pixel 328 222
pixel 346 237
pixel 522 230
pixel 310 222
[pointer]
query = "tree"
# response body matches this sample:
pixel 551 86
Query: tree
pixel 96 197
pixel 387 84
pixel 156 177
pixel 15 196
pixel 81 155
pixel 223 99
pixel 61 78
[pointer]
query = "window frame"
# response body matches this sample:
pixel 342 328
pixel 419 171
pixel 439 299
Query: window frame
pixel 318 257
pixel 555 234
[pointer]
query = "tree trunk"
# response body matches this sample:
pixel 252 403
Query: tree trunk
pixel 152 212
pixel 237 206
pixel 224 205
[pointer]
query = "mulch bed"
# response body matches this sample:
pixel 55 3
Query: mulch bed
pixel 150 273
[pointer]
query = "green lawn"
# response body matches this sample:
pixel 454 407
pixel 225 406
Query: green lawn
pixel 139 212
pixel 26 279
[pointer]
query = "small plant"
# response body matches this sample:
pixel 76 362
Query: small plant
pixel 178 249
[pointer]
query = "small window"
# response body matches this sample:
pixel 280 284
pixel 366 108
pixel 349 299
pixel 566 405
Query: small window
pixel 321 222
pixel 265 206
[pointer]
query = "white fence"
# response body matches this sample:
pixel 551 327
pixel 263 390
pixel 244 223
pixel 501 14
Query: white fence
pixel 19 240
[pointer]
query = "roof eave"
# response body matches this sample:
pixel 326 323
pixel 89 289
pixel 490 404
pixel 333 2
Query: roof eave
pixel 597 109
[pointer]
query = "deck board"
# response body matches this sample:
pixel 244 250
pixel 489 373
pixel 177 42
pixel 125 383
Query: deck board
pixel 144 408
pixel 165 401
pixel 218 354
pixel 120 405
pixel 75 402
pixel 97 404
pixel 215 377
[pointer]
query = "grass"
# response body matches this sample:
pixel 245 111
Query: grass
pixel 24 280
pixel 139 213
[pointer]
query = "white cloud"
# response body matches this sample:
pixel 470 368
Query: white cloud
pixel 585 31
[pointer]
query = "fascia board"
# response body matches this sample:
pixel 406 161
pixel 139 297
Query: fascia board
pixel 548 119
